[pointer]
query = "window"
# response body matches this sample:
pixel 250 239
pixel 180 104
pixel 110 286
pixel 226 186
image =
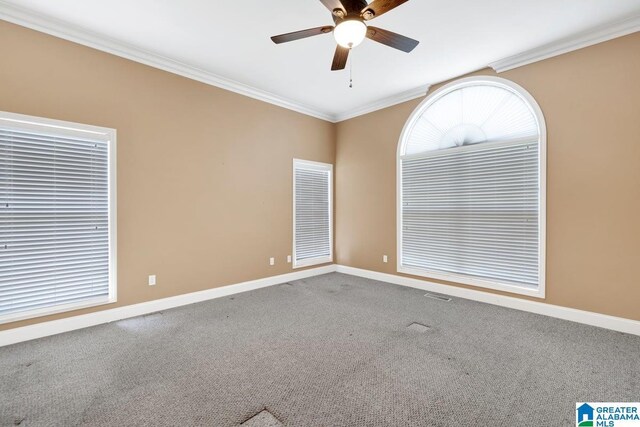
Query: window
pixel 471 187
pixel 57 216
pixel 312 213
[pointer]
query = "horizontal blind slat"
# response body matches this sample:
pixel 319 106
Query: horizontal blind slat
pixel 473 212
pixel 312 215
pixel 54 219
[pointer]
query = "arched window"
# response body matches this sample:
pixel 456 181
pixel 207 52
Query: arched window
pixel 471 187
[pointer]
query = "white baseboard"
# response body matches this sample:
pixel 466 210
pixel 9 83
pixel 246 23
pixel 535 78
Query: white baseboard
pixel 54 327
pixel 589 318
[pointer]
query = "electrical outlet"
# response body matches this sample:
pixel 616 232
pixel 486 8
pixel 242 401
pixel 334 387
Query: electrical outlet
pixel 289 259
pixel 385 259
pixel 272 261
pixel 152 280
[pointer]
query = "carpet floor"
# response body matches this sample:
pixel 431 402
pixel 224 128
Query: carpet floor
pixel 333 350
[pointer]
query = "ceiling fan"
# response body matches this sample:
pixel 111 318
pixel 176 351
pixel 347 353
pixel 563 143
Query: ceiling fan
pixel 350 17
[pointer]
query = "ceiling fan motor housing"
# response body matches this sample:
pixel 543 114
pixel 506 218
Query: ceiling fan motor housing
pixel 354 10
pixel 351 28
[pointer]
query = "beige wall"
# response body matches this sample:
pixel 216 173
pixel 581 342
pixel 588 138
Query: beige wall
pixel 591 102
pixel 204 175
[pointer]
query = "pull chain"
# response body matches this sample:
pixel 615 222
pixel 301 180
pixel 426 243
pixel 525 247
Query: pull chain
pixel 351 69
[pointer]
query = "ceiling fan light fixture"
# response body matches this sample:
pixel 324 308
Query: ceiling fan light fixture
pixel 351 28
pixel 350 33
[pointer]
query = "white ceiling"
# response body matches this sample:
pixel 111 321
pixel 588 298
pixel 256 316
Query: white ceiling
pixel 230 39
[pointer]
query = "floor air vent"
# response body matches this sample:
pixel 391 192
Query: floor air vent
pixel 438 297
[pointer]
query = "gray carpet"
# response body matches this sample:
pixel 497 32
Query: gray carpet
pixel 333 350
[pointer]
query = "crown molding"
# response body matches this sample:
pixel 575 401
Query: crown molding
pixel 57 28
pixel 384 103
pixel 569 44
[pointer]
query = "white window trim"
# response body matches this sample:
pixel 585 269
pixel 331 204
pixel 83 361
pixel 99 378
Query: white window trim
pixel 74 129
pixel 540 291
pixel 308 164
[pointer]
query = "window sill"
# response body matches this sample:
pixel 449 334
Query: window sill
pixel 512 288
pixel 25 315
pixel 311 262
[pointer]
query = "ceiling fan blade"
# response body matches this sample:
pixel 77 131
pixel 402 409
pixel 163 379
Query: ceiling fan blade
pixel 340 58
pixel 380 7
pixel 333 5
pixel 297 35
pixel 396 41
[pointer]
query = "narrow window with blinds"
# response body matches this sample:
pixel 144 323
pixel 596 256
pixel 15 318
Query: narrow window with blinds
pixel 312 213
pixel 471 187
pixel 57 217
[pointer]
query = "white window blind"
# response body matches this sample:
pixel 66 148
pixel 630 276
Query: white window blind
pixel 313 211
pixel 471 194
pixel 473 212
pixel 55 222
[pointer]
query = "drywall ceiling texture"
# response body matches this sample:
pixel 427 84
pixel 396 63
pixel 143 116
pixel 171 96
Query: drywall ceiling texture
pixel 230 41
pixel 204 175
pixel 590 99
